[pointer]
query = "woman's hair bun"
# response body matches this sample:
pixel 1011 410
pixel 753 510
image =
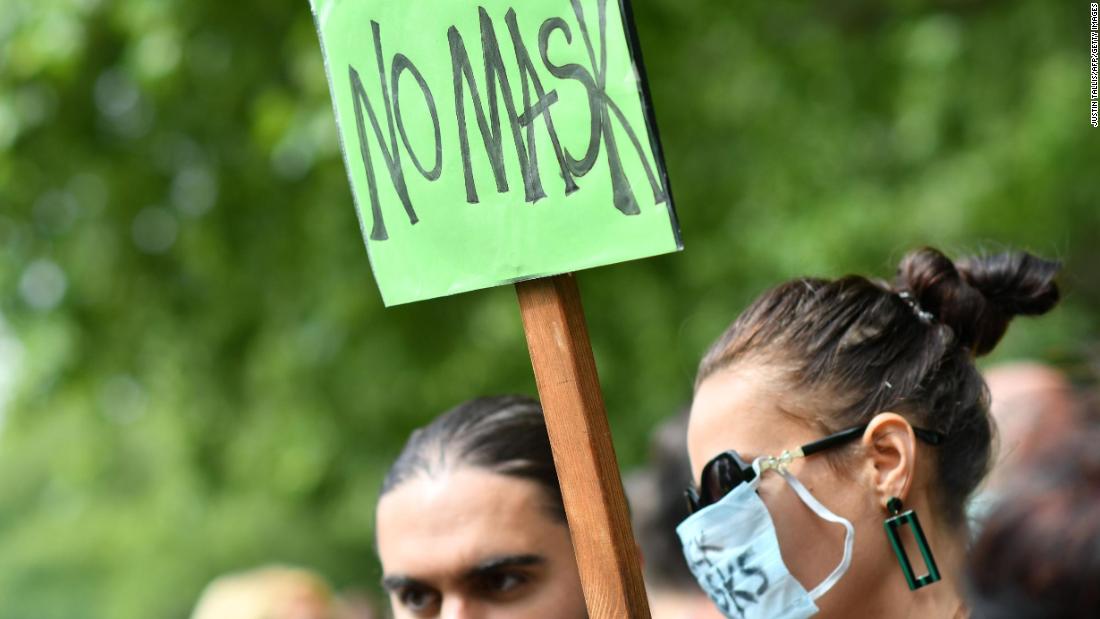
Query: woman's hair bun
pixel 979 295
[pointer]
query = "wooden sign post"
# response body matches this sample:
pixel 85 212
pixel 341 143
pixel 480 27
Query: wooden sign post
pixel 595 505
pixel 503 142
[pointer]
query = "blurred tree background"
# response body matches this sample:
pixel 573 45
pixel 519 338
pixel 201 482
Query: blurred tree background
pixel 197 374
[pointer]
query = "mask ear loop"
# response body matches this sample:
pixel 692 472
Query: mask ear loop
pixel 824 513
pixel 764 463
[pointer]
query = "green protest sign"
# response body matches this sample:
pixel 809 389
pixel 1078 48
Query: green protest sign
pixel 492 142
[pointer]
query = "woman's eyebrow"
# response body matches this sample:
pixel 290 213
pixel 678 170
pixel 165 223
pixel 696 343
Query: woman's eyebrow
pixel 495 563
pixel 397 581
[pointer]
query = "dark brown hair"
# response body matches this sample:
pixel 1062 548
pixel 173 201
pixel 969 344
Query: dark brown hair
pixel 501 434
pixel 857 347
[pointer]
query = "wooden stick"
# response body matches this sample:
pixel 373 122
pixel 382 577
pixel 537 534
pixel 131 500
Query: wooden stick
pixel 584 456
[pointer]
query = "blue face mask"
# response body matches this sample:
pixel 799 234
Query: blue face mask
pixel 732 549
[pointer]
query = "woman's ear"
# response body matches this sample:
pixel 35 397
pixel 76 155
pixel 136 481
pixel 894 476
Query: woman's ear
pixel 891 448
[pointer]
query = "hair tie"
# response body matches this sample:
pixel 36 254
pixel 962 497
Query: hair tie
pixel 923 316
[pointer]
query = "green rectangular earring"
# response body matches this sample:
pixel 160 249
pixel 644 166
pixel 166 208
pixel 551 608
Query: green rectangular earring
pixel 893 526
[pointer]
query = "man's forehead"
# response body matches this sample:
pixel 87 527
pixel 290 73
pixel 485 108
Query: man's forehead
pixel 450 554
pixel 423 532
pixel 432 504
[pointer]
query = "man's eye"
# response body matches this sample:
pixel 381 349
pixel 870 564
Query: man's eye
pixel 503 583
pixel 419 600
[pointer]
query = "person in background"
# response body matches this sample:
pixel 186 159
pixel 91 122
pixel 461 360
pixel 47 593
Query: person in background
pixel 673 592
pixel 470 522
pixel 1038 555
pixel 1033 405
pixel 272 592
pixel 837 430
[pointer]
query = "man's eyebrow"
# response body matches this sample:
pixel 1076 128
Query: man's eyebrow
pixel 397 581
pixel 496 563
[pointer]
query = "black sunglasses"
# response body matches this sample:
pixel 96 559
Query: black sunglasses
pixel 727 470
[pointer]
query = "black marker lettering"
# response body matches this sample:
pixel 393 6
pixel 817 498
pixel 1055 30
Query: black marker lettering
pixel 400 64
pixel 574 71
pixel 602 108
pixel 529 78
pixel 490 129
pixel 389 153
pixel 606 118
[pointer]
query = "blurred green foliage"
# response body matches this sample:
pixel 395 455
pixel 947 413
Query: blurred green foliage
pixel 197 375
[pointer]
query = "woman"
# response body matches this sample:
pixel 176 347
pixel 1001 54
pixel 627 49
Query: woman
pixel 470 522
pixel 837 429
